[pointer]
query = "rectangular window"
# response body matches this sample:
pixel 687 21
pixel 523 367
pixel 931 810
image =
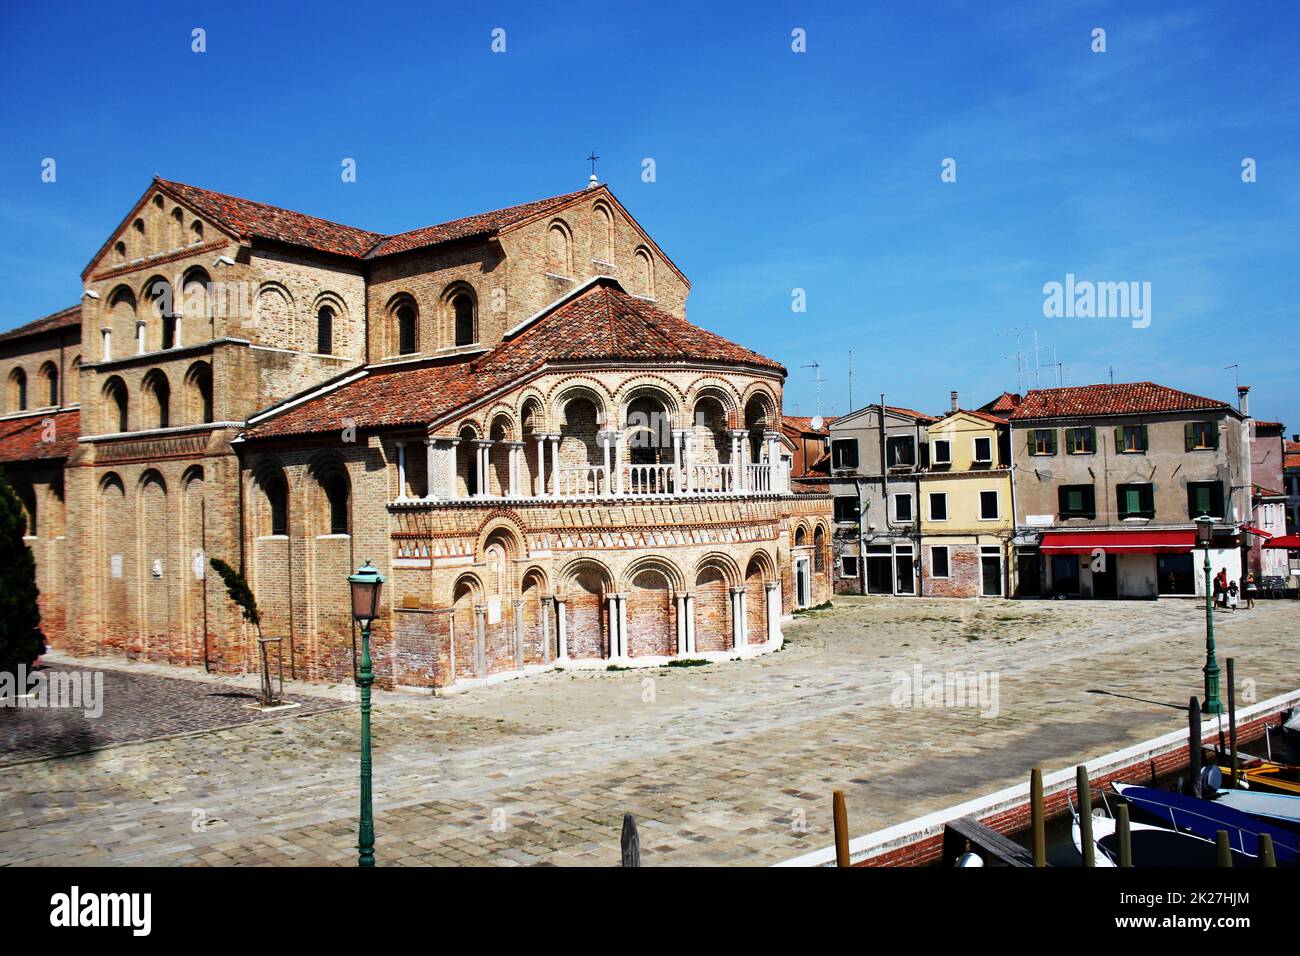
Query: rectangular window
pixel 989 505
pixel 844 453
pixel 941 449
pixel 1131 440
pixel 902 507
pixel 846 508
pixel 1077 501
pixel 1135 501
pixel 1081 441
pixel 983 451
pixel 939 562
pixel 1204 498
pixel 1042 441
pixel 1200 436
pixel 900 451
pixel 938 506
pixel 848 566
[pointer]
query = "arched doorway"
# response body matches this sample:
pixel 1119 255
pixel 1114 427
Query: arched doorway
pixel 650 624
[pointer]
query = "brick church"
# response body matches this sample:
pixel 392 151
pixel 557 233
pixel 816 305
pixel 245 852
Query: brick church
pixel 508 414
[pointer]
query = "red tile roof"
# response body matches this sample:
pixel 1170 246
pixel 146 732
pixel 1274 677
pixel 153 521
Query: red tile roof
pixel 481 224
pixel 1004 403
pixel 1130 398
pixel 598 322
pixel 911 413
pixel 1292 455
pixel 803 423
pixel 246 219
pixel 65 319
pixel 24 439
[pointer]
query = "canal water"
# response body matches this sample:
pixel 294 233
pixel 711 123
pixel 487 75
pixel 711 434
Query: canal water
pixel 1060 840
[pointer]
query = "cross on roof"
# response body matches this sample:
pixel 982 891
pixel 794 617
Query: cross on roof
pixel 593 157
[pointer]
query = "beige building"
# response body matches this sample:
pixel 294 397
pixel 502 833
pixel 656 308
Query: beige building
pixel 508 414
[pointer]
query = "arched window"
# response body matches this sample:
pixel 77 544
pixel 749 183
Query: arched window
pixel 819 549
pixel 603 239
pixel 645 273
pixel 18 390
pixel 115 394
pixel 325 330
pixel 463 307
pixel 196 232
pixel 277 504
pixel 50 384
pixel 559 255
pixel 159 293
pixel 119 249
pixel 335 486
pixel 406 344
pixel 160 393
pixel 198 380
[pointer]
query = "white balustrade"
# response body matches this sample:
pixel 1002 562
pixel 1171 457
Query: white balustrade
pixel 581 481
pixel 649 479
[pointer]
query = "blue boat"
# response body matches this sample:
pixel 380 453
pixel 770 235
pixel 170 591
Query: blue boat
pixel 1205 818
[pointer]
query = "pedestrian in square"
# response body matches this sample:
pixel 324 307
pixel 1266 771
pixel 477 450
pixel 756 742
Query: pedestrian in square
pixel 1250 588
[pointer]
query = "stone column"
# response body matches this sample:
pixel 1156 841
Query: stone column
pixel 516 468
pixel 107 334
pixel 555 462
pixel 688 601
pixel 738 446
pixel 773 447
pixel 548 608
pixel 519 634
pixel 737 637
pixel 678 435
pixel 176 330
pixel 480 640
pixel 686 460
pixel 622 625
pixel 604 437
pixel 401 470
pixel 483 447
pixel 611 606
pixel 453 474
pixel 773 610
pixel 620 438
pixel 679 615
pixel 139 336
pixel 430 460
pixel 541 466
pixel 562 632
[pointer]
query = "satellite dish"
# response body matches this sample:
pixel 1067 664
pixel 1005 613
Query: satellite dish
pixel 816 422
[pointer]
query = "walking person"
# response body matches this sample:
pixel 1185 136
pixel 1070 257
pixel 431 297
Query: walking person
pixel 1220 587
pixel 1250 588
pixel 1232 596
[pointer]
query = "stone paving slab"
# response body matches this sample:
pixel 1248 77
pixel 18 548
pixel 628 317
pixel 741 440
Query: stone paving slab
pixel 728 764
pixel 132 707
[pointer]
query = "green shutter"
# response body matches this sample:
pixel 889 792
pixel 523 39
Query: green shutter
pixel 1069 441
pixel 1214 435
pixel 1119 439
pixel 1189 436
pixel 1144 437
pixel 1132 501
pixel 1051 441
pixel 1203 500
pixel 1090 502
pixel 1092 440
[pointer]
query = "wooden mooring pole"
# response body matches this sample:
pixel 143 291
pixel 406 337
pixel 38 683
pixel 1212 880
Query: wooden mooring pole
pixel 1222 848
pixel 630 842
pixel 1125 834
pixel 1194 747
pixel 1038 816
pixel 1232 725
pixel 1266 857
pixel 1085 816
pixel 841 829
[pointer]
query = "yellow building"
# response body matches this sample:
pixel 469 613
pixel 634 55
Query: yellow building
pixel 967 518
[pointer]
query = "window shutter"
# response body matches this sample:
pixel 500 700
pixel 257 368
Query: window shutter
pixel 1092 439
pixel 1062 500
pixel 1069 441
pixel 1144 437
pixel 1089 502
pixel 1189 436
pixel 1119 439
pixel 1051 442
pixel 1214 435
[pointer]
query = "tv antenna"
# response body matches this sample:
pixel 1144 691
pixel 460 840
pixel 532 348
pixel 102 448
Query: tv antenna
pixel 817 368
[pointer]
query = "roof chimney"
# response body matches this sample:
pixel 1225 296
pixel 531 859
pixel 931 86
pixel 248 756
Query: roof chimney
pixel 1243 402
pixel 953 396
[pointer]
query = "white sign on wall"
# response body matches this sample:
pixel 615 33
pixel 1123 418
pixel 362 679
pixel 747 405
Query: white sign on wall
pixel 1040 521
pixel 199 565
pixel 115 565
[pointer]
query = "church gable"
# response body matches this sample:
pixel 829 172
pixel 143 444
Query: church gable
pixel 159 227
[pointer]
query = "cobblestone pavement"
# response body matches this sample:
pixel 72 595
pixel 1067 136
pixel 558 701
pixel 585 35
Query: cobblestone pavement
pixel 132 707
pixel 731 763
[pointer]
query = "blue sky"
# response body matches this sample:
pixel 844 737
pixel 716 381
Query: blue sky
pixel 775 170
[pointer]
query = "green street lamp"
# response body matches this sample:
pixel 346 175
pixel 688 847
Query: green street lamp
pixel 1204 535
pixel 366 584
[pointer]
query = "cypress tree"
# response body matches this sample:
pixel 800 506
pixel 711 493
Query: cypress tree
pixel 21 639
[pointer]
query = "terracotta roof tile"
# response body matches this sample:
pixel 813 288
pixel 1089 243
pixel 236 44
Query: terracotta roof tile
pixel 911 413
pixel 600 322
pixel 65 319
pixel 1130 398
pixel 245 218
pixel 23 439
pixel 1003 404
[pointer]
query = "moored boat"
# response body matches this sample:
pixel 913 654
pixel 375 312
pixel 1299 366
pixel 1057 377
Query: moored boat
pixel 1204 818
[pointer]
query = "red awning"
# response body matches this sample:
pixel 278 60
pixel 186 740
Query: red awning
pixel 1290 542
pixel 1119 542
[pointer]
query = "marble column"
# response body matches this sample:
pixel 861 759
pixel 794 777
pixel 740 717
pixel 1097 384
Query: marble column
pixel 541 466
pixel 519 634
pixel 561 630
pixel 430 466
pixel 139 336
pixel 689 603
pixel 480 640
pixel 773 610
pixel 401 470
pixel 107 334
pixel 548 608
